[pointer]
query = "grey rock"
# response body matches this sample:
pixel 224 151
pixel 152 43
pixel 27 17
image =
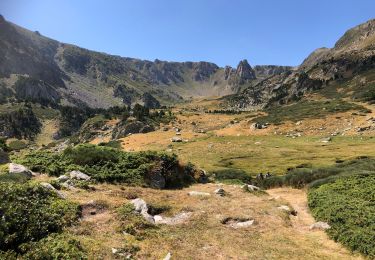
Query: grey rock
pixel 79 175
pixel 175 220
pixel 20 169
pixel 62 178
pixel 248 187
pixel 320 226
pixel 198 193
pixel 141 207
pixel 51 188
pixel 220 192
pixel 168 256
pixel 176 139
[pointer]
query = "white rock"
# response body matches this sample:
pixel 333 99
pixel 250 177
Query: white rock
pixel 79 175
pixel 177 219
pixel 168 256
pixel 220 192
pixel 242 224
pixel 141 207
pixel 284 208
pixel 250 187
pixel 19 169
pixel 62 178
pixel 198 193
pixel 320 226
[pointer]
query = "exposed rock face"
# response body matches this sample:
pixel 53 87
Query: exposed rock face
pixel 149 101
pixel 353 55
pixel 125 128
pixel 128 95
pixel 244 71
pixel 19 169
pixel 264 71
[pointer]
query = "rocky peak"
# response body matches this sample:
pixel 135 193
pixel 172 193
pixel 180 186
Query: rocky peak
pixel 2 19
pixel 354 37
pixel 244 71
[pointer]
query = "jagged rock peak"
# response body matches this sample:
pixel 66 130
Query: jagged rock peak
pixel 244 71
pixel 2 19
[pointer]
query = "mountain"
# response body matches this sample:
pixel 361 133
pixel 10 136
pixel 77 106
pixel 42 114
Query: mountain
pixel 42 70
pixel 346 70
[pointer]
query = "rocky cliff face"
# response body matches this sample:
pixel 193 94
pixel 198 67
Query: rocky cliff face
pixel 352 57
pixel 59 72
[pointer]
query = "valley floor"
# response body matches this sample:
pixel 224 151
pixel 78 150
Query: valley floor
pixel 274 234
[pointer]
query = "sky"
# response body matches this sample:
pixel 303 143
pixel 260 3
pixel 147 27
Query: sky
pixel 280 32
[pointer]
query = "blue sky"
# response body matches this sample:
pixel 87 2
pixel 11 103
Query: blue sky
pixel 281 32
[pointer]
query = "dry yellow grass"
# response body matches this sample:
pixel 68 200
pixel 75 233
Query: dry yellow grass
pixel 275 235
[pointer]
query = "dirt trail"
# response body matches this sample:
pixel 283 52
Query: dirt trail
pixel 298 200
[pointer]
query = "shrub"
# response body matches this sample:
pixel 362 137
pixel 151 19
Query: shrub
pixel 31 212
pixel 348 206
pixel 17 145
pixel 106 164
pixel 55 246
pixel 232 176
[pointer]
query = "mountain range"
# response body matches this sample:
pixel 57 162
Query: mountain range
pixel 42 70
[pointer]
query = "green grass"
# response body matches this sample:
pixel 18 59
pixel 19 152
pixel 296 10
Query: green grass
pixel 306 109
pixel 348 205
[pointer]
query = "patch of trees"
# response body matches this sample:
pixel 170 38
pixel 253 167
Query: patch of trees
pixel 227 112
pixel 21 123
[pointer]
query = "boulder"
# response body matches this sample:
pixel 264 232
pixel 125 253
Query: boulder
pixel 141 207
pixel 248 187
pixel 320 226
pixel 198 193
pixel 175 220
pixel 79 175
pixel 48 186
pixel 176 139
pixel 157 180
pixel 288 210
pixel 20 169
pixel 62 178
pixel 220 192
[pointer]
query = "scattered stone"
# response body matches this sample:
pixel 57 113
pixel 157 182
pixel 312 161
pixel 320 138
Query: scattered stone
pixel 299 123
pixel 79 175
pixel 121 252
pixel 288 210
pixel 141 207
pixel 248 187
pixel 177 219
pixel 176 139
pixel 20 169
pixel 220 192
pixel 168 256
pixel 198 193
pixel 238 222
pixel 320 226
pixel 51 188
pixel 326 140
pixel 165 129
pixel 178 133
pixel 62 178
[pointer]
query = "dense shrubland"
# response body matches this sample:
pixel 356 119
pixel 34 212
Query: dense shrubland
pixel 29 213
pixel 348 205
pixel 106 164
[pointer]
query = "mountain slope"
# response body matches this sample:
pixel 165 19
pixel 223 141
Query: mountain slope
pixel 347 70
pixel 39 69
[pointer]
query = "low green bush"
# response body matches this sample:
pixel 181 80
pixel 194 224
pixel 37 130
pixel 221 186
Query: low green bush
pixel 17 145
pixel 234 176
pixel 106 164
pixel 30 212
pixel 348 205
pixel 55 246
